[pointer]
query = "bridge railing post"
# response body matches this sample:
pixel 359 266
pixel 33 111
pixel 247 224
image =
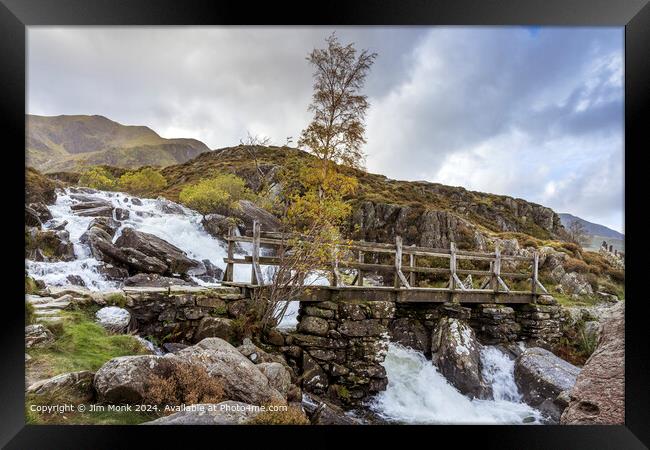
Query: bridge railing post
pixel 360 272
pixel 535 275
pixel 336 277
pixel 412 265
pixel 496 270
pixel 229 273
pixel 256 271
pixel 399 275
pixel 452 266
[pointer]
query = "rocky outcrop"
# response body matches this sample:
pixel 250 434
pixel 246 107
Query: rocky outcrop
pixel 278 375
pixel 48 245
pixel 216 225
pixel 381 222
pixel 38 336
pixel 74 387
pixel 242 380
pixel 456 353
pixel 542 377
pixel 598 396
pixel 39 188
pixel 224 413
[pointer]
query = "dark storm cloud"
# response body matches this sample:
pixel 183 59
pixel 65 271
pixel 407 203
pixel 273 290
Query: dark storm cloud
pixel 531 113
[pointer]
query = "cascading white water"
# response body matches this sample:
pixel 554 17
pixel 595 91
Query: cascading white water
pixel 177 225
pixel 417 393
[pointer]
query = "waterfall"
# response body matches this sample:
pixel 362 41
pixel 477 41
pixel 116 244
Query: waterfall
pixel 417 393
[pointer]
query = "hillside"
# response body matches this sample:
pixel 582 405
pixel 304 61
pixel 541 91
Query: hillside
pixel 592 229
pixel 428 214
pixel 67 143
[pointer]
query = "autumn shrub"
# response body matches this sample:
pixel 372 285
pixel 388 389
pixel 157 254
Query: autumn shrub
pixel 185 384
pixel 617 275
pixel 97 178
pixel 142 182
pixel 575 265
pixel 218 194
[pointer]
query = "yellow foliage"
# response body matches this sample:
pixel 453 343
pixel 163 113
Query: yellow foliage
pixel 97 178
pixel 218 194
pixel 141 182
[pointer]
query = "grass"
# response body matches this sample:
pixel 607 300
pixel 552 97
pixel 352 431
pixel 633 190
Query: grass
pixel 81 344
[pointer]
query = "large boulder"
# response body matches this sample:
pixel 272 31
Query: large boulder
pixel 542 377
pixel 598 396
pixel 224 413
pixel 113 318
pixel 130 379
pixel 242 380
pixel 248 212
pixel 216 225
pixel 456 353
pixel 321 412
pixel 136 243
pixel 278 375
pixel 74 387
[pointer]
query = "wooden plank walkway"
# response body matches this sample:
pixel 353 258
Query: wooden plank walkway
pixel 492 288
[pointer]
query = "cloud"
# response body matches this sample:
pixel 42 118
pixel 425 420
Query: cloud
pixel 535 113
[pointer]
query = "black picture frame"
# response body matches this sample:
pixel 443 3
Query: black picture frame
pixel 16 15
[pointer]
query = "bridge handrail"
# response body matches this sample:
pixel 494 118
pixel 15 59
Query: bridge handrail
pixel 495 276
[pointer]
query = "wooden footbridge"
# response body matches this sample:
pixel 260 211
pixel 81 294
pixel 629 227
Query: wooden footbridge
pixel 408 262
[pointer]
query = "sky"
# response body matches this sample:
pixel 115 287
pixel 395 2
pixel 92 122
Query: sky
pixel 534 113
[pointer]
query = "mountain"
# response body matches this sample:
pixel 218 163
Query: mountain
pixel 61 143
pixel 592 229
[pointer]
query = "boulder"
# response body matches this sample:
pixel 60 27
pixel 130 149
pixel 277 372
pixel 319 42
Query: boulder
pixel 278 375
pixel 101 211
pixel 74 387
pixel 542 377
pixel 219 327
pixel 129 379
pixel 242 380
pixel 323 413
pixel 224 413
pixel 168 207
pixel 38 336
pixel 174 347
pixel 576 283
pixel 213 274
pixel 256 354
pixel 248 212
pixel 48 245
pixel 42 211
pixel 113 318
pixel 598 396
pixel 136 243
pixel 410 333
pixel 216 225
pixel 456 353
pixel 314 378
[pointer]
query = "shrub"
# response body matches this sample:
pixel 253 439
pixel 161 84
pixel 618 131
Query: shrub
pixel 576 265
pixel 186 384
pixel 142 182
pixel 292 416
pixel 98 178
pixel 31 286
pixel 218 194
pixel 618 276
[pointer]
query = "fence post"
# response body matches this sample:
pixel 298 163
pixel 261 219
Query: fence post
pixel 360 272
pixel 412 265
pixel 535 275
pixel 452 266
pixel 229 274
pixel 496 269
pixel 336 278
pixel 399 276
pixel 256 271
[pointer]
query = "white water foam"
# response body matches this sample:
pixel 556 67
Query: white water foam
pixel 417 393
pixel 174 223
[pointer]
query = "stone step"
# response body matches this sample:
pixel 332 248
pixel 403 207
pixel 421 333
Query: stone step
pixel 51 305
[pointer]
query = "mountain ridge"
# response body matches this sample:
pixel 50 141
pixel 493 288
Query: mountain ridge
pixel 592 228
pixel 69 142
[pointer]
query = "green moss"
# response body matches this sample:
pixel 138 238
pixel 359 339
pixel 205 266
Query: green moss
pixel 116 299
pixel 31 287
pixel 343 392
pixel 29 313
